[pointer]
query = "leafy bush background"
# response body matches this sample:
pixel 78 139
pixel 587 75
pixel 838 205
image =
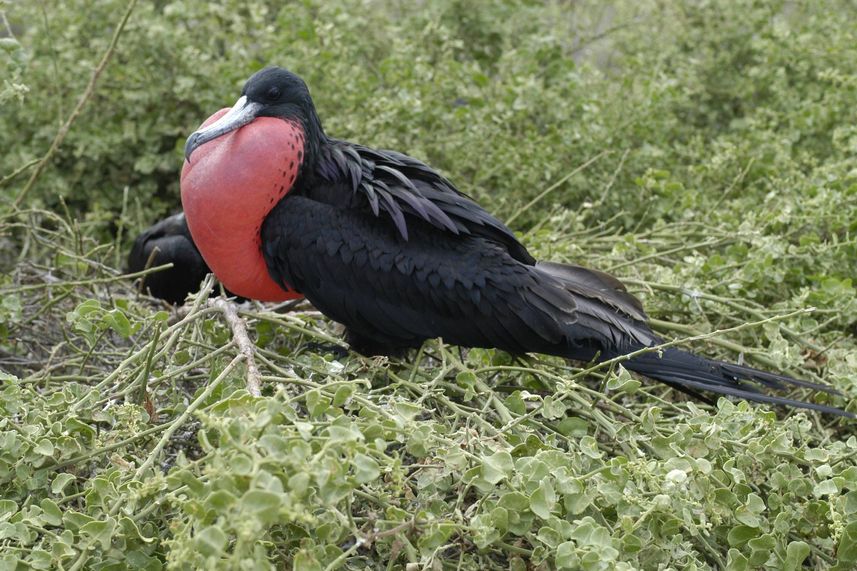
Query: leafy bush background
pixel 705 151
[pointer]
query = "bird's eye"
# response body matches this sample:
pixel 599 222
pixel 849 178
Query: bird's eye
pixel 274 93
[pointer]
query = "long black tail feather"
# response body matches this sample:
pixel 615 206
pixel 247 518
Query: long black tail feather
pixel 684 370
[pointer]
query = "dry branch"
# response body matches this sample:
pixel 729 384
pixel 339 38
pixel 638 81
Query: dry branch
pixel 245 346
pixel 78 109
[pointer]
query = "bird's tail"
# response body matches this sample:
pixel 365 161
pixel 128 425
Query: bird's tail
pixel 692 373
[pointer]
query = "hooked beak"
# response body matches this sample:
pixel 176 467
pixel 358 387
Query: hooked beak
pixel 243 112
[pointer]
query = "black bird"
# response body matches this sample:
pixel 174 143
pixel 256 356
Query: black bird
pixel 168 241
pixel 385 245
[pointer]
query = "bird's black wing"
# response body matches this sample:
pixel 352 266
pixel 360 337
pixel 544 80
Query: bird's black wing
pixel 597 285
pixel 405 192
pixel 403 188
pixel 359 270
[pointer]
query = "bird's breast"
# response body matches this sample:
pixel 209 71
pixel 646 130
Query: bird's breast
pixel 228 188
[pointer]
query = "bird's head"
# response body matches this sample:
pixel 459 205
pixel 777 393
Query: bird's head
pixel 270 92
pixel 240 164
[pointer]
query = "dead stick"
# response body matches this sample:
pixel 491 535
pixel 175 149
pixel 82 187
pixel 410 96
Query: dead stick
pixel 87 94
pixel 245 346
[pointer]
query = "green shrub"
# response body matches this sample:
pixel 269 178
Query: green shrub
pixel 704 151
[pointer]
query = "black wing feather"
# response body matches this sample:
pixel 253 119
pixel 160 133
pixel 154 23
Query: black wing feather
pixel 410 187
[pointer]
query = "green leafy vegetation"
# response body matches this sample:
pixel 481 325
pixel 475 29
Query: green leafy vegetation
pixel 705 152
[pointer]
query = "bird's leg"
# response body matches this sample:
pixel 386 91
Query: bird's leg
pixel 369 347
pixel 339 351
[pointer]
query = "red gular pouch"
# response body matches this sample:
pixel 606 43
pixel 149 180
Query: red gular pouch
pixel 228 187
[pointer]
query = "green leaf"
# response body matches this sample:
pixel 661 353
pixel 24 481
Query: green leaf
pixel 343 393
pixel 9 44
pixel 736 561
pixel 408 411
pixel 299 483
pixel 76 426
pixel 132 531
pixel 743 515
pixel 825 488
pixel 40 559
pixel 483 530
pixel 573 426
pixel 275 445
pixel 515 403
pixel 305 429
pixel 741 534
pixel 366 469
pixel 117 321
pixel 566 556
pixel 466 379
pixel 514 501
pixel 436 535
pixel 61 481
pixel 8 508
pixel 816 455
pixel 796 553
pixel 755 504
pixel 211 541
pixel 589 446
pixel 242 465
pixel 549 536
pixel 220 501
pixel 51 513
pixel 497 466
pixel 553 408
pixel 761 548
pixel 344 434
pixel 305 561
pixel 262 504
pixel 622 381
pixel 500 519
pixel 542 501
pixel 588 532
pixel 317 403
pixel 44 447
pixel 100 531
pixel 8 377
pixel 846 551
pixel 75 520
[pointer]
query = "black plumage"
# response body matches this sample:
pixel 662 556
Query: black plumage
pixel 168 241
pixel 385 245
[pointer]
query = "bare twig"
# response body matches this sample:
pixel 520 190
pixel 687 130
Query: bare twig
pixel 78 109
pixel 9 177
pixel 704 244
pixel 700 337
pixel 553 187
pixel 203 396
pixel 791 334
pixel 92 281
pixel 245 346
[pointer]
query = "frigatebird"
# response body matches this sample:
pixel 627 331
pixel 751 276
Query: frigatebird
pixel 385 245
pixel 168 241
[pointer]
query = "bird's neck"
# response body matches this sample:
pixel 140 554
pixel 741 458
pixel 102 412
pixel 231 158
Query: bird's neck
pixel 228 189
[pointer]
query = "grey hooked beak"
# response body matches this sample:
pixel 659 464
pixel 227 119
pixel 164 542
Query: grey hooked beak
pixel 243 112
